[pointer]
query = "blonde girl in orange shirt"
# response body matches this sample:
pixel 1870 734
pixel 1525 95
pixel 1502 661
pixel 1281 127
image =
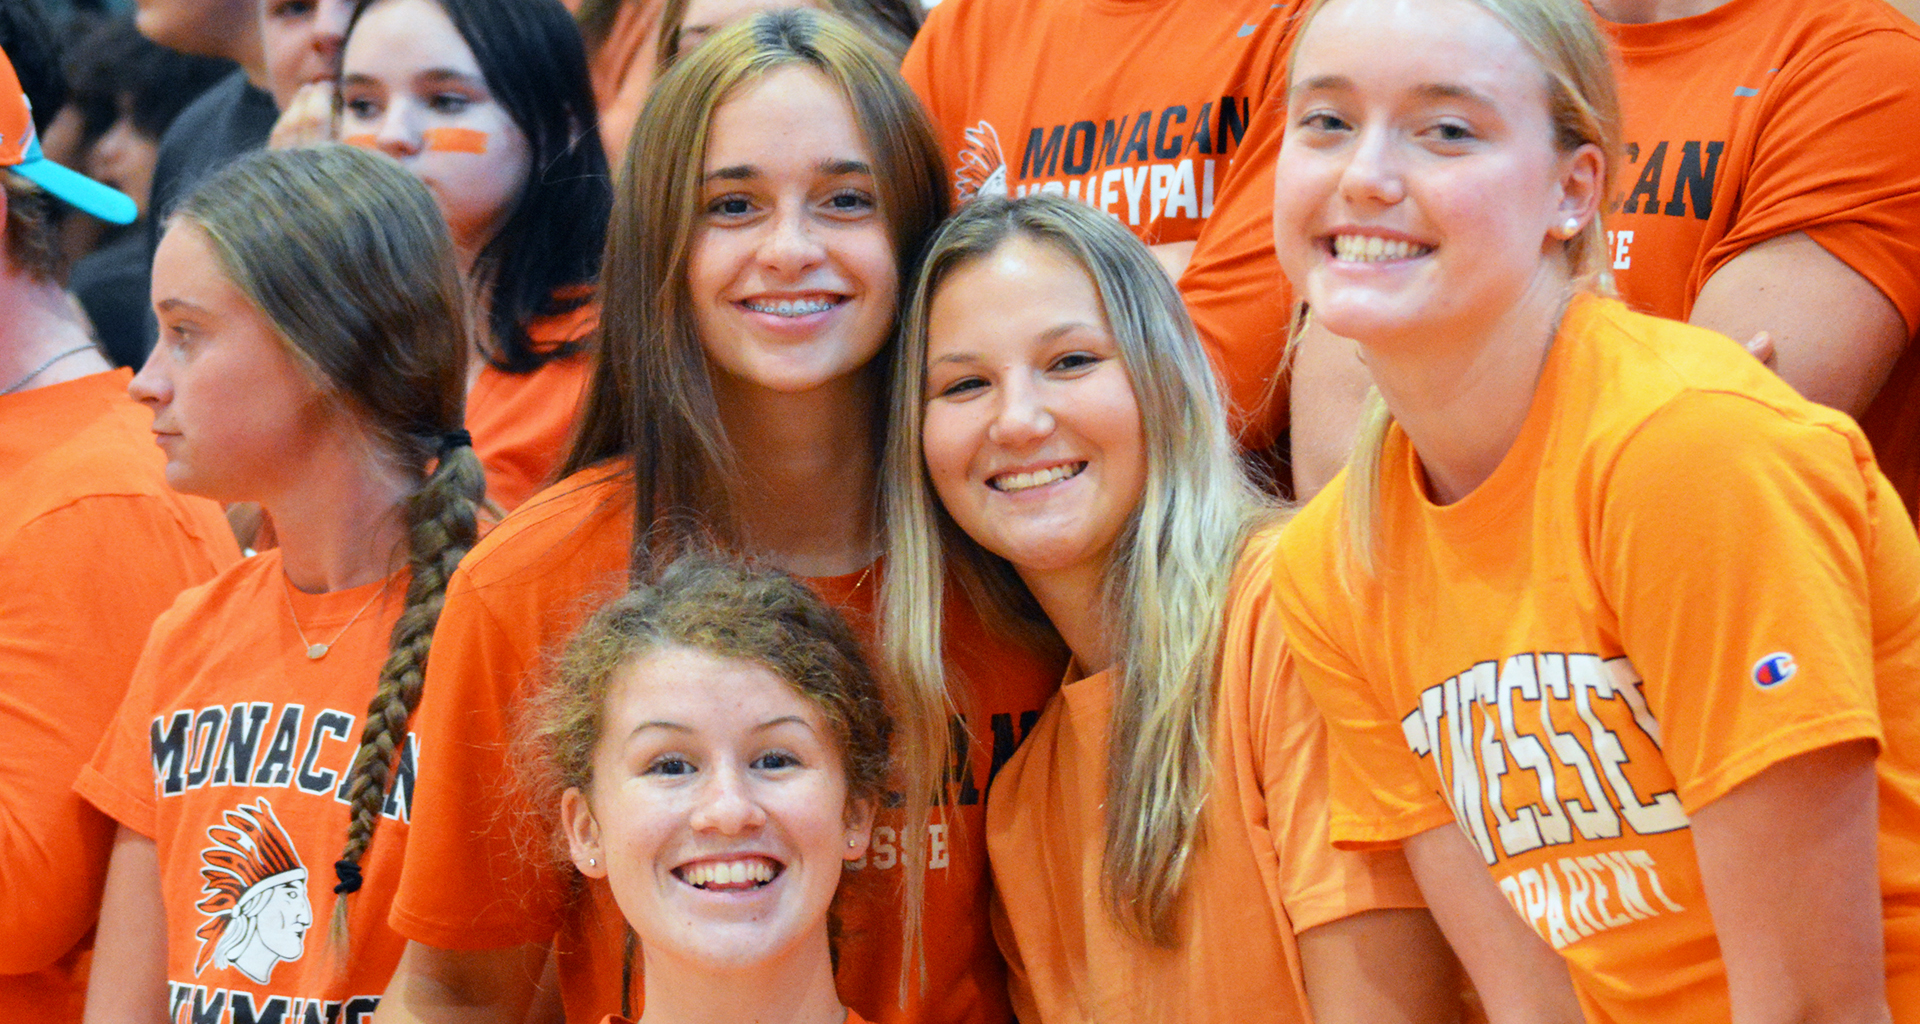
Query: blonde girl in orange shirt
pixel 1062 450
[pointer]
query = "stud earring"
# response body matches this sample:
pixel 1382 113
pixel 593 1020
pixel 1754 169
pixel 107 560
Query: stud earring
pixel 1570 227
pixel 851 843
pixel 593 862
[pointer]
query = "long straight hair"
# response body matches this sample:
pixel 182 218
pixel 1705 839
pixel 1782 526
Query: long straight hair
pixel 545 258
pixel 1167 587
pixel 356 273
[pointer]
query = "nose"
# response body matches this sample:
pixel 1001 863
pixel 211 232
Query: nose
pixel 330 30
pixel 1372 172
pixel 153 385
pixel 726 803
pixel 791 244
pixel 1023 417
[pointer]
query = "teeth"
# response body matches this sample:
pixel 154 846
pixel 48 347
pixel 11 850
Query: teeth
pixel 728 872
pixel 790 307
pixel 1028 481
pixel 1374 249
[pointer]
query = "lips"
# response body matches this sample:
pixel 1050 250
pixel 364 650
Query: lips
pixel 794 307
pixel 1028 480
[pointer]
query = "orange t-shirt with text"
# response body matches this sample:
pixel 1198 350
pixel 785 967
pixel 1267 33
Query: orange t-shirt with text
pixel 482 872
pixel 231 752
pixel 1681 574
pixel 1796 118
pixel 1166 114
pixel 522 422
pixel 1263 872
pixel 93 545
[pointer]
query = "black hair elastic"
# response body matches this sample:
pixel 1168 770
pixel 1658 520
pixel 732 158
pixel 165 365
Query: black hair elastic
pixel 455 439
pixel 349 874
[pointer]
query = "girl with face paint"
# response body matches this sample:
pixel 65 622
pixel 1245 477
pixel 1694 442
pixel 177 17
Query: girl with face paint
pixel 487 102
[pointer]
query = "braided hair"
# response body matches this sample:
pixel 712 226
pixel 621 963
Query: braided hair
pixel 357 275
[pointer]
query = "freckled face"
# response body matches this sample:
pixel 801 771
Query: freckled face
pixel 411 88
pixel 719 812
pixel 1032 431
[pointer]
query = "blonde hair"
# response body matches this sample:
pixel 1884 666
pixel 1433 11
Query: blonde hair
pixel 356 273
pixel 1583 106
pixel 1167 587
pixel 888 24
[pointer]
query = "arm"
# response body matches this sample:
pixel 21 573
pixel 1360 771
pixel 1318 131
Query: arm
pixel 128 984
pixel 1519 977
pixel 1788 862
pixel 470 986
pixel 1835 335
pixel 1380 966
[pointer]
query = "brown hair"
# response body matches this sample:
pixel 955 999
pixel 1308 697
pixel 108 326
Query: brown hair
pixel 888 24
pixel 32 244
pixel 355 271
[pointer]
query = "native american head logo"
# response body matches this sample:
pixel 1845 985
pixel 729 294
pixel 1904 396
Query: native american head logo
pixel 256 895
pixel 981 166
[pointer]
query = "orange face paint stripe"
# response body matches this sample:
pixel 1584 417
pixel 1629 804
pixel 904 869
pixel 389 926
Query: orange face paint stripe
pixel 365 141
pixel 455 140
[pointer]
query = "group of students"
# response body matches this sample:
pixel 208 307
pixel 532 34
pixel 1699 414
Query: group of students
pixel 905 635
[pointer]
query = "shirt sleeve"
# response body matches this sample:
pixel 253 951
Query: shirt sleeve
pixel 1377 792
pixel 1740 584
pixel 478 872
pixel 70 633
pixel 1835 159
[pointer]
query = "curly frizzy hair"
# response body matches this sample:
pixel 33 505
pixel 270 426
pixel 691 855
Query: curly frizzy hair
pixel 721 606
pixel 356 273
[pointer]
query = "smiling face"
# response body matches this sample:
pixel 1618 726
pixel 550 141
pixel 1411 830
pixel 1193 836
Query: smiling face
pixel 233 410
pixel 792 274
pixel 719 812
pixel 1032 434
pixel 1421 192
pixel 411 88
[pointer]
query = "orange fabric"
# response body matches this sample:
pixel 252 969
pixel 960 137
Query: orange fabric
pixel 1264 872
pixel 231 752
pixel 1681 574
pixel 1796 117
pixel 622 69
pixel 93 545
pixel 522 422
pixel 469 881
pixel 1167 115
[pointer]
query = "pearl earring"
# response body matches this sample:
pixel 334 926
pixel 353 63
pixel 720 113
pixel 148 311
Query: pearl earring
pixel 593 862
pixel 851 843
pixel 1570 227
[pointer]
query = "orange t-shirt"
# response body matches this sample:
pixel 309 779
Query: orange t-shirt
pixel 231 752
pixel 1166 115
pixel 1681 574
pixel 93 545
pixel 622 69
pixel 470 881
pixel 1797 117
pixel 522 422
pixel 1264 871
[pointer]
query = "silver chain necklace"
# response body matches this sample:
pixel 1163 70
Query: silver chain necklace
pixel 42 368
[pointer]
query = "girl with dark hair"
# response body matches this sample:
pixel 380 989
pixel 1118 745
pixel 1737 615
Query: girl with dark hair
pixel 780 185
pixel 312 362
pixel 488 103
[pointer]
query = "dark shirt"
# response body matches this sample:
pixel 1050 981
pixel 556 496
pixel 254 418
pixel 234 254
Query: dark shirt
pixel 111 283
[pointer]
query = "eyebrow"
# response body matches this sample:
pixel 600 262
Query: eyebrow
pixel 684 728
pixel 825 168
pixel 1425 90
pixel 176 305
pixel 1050 334
pixel 431 75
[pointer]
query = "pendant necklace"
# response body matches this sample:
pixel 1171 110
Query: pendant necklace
pixel 317 651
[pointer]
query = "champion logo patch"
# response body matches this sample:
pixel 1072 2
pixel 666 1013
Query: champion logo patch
pixel 1774 669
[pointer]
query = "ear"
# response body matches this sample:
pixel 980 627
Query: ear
pixel 859 830
pixel 1583 174
pixel 583 833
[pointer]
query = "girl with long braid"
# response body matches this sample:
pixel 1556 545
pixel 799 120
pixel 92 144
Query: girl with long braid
pixel 313 362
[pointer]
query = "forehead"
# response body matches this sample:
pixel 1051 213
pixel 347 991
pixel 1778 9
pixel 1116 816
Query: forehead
pixel 394 38
pixel 1429 46
pixel 1022 289
pixel 790 116
pixel 703 691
